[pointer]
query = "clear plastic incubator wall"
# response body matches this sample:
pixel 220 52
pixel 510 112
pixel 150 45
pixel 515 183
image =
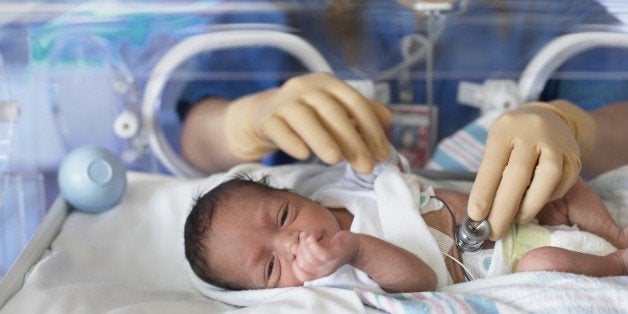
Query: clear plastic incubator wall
pixel 112 74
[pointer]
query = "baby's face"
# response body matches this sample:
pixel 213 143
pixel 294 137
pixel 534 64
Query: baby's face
pixel 254 234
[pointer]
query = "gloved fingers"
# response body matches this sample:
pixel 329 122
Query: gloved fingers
pixel 285 138
pixel 488 177
pixel 570 174
pixel 515 180
pixel 547 176
pixel 304 120
pixel 383 113
pixel 338 124
pixel 386 119
pixel 367 121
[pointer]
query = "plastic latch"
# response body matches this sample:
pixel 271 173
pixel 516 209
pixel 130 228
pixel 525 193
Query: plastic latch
pixel 491 95
pixel 470 94
pixel 379 91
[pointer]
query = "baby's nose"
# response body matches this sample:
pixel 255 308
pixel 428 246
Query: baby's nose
pixel 286 243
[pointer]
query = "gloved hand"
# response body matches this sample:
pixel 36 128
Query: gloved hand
pixel 532 156
pixel 315 111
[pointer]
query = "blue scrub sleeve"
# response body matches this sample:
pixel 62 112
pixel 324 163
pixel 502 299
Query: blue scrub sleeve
pixel 233 73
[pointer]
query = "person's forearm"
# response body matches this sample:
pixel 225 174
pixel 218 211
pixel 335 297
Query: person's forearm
pixel 393 268
pixel 203 141
pixel 611 141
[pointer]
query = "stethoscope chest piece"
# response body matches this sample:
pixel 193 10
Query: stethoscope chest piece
pixel 471 234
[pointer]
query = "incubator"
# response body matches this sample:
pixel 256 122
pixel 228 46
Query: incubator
pixel 114 74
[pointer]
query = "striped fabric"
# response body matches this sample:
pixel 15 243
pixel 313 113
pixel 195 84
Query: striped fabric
pixel 528 292
pixel 463 150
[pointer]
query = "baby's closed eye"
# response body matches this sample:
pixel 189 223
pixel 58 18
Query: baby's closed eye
pixel 284 214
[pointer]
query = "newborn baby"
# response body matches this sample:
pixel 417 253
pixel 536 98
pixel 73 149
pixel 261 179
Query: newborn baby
pixel 244 234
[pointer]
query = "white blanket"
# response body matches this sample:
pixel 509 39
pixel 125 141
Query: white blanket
pixel 130 259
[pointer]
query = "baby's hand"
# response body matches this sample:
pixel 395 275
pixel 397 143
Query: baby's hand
pixel 316 260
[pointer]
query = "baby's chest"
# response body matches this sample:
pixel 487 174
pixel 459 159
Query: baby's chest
pixel 444 221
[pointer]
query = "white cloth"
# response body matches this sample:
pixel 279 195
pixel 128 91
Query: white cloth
pixel 389 209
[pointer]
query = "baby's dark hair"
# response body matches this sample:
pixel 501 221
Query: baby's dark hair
pixel 198 225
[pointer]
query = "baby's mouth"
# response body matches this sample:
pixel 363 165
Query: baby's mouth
pixel 320 236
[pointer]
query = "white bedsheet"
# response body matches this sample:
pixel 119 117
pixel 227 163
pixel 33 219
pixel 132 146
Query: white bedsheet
pixel 130 259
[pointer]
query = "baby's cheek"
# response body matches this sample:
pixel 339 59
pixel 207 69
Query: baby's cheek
pixel 289 278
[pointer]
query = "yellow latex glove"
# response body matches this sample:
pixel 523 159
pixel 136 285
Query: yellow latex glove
pixel 532 157
pixel 316 111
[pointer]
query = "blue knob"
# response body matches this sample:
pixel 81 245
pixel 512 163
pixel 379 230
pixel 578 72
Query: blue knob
pixel 92 179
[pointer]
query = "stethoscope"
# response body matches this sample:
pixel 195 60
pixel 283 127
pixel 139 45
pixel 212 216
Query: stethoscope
pixel 471 234
pixel 468 236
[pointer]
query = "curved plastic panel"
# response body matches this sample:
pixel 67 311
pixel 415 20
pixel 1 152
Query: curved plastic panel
pixel 192 46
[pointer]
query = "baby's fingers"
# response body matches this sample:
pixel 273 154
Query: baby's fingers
pixel 310 253
pixel 302 274
pixel 304 255
pixel 318 250
pixel 314 256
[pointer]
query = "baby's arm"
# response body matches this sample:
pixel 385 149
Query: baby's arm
pixel 391 267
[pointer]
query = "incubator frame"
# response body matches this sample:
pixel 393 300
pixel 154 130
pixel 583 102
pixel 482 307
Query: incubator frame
pixel 530 83
pixel 192 46
pixel 528 88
